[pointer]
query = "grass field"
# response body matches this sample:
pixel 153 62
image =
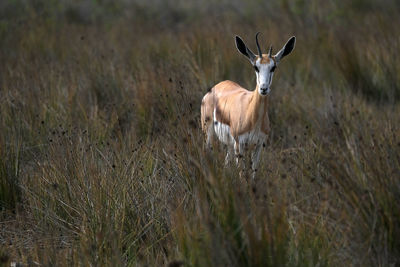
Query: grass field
pixel 102 159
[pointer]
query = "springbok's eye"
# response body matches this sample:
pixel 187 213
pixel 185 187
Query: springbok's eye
pixel 256 68
pixel 273 68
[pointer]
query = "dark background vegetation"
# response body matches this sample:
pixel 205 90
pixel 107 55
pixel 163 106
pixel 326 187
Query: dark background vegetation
pixel 102 159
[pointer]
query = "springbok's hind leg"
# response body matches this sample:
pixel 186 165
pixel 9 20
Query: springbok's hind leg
pixel 210 136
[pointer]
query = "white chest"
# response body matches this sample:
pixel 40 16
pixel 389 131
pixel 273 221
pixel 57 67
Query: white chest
pixel 254 137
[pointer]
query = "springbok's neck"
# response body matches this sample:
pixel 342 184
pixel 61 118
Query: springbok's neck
pixel 263 99
pixel 258 103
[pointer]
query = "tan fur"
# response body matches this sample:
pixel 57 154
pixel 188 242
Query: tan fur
pixel 265 59
pixel 235 106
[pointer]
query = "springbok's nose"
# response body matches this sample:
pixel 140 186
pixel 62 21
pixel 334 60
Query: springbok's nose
pixel 264 90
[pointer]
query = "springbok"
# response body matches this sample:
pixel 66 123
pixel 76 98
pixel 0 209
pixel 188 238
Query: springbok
pixel 237 116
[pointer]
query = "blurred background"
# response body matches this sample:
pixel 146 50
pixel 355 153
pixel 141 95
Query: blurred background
pixel 101 154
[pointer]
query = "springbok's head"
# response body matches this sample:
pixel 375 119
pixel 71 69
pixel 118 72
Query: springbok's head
pixel 264 64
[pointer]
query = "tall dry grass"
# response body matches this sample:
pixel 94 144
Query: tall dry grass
pixel 102 159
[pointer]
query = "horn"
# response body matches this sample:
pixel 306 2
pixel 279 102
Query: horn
pixel 270 51
pixel 258 45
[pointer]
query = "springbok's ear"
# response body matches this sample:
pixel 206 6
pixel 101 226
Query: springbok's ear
pixel 287 49
pixel 242 48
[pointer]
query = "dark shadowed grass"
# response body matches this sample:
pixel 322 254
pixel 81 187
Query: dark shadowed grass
pixel 102 161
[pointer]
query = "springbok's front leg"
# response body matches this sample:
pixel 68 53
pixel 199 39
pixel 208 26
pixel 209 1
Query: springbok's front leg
pixel 255 159
pixel 238 148
pixel 229 154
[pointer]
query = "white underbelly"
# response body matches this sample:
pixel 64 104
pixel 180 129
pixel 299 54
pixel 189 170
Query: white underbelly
pixel 223 132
